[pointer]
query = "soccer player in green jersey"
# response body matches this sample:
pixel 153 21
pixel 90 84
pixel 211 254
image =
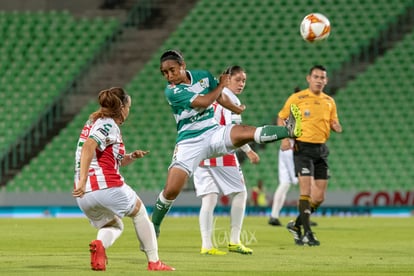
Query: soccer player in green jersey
pixel 191 94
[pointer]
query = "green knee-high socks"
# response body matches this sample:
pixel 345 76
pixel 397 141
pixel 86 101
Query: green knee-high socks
pixel 159 212
pixel 268 134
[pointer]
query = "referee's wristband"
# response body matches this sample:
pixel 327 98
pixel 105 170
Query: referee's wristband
pixel 246 148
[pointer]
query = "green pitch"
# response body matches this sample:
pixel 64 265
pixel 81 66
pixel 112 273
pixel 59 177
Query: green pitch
pixel 349 246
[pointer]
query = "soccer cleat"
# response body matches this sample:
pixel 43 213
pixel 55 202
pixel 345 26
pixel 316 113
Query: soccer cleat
pixel 212 251
pixel 295 231
pixel 310 239
pixel 239 248
pixel 98 256
pixel 274 221
pixel 294 122
pixel 159 266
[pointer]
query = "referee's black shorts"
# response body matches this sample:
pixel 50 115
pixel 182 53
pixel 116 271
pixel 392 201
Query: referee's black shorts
pixel 311 160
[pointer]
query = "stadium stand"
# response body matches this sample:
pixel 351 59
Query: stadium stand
pixel 263 36
pixel 374 152
pixel 41 53
pixel 52 169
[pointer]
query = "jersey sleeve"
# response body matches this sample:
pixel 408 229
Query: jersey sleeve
pixel 213 81
pixel 334 113
pixel 285 111
pixel 104 133
pixel 235 118
pixel 179 96
pixel 182 96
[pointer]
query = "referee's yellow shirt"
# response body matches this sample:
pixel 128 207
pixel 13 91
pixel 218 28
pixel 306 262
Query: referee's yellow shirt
pixel 318 111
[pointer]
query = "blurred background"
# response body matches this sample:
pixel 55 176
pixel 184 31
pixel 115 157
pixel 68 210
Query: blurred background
pixel 55 57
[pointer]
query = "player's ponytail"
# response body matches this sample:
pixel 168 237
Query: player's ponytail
pixel 111 102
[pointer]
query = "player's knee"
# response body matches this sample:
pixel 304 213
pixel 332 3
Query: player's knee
pixel 317 200
pixel 171 192
pixel 177 177
pixel 116 223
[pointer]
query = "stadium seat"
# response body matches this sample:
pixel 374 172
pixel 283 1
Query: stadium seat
pixel 266 35
pixel 35 36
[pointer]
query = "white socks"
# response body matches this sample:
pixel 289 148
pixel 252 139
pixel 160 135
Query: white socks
pixel 279 198
pixel 109 234
pixel 208 203
pixel 146 234
pixel 206 218
pixel 238 207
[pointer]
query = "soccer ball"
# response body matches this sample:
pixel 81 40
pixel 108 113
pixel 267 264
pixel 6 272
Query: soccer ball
pixel 315 27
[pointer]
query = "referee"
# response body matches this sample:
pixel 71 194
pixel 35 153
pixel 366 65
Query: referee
pixel 319 117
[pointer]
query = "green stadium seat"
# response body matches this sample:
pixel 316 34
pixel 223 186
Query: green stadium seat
pixel 29 68
pixel 277 60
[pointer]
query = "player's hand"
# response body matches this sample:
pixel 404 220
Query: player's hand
pixel 139 153
pixel 224 79
pixel 253 157
pixel 285 145
pixel 335 126
pixel 79 191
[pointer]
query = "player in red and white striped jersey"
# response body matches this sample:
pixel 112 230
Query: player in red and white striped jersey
pixel 223 174
pixel 100 189
pixel 104 167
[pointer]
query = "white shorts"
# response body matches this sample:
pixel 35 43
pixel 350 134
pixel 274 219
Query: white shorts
pixel 287 168
pixel 227 180
pixel 190 152
pixel 103 205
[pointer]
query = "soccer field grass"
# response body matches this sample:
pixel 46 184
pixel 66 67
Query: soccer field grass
pixel 349 246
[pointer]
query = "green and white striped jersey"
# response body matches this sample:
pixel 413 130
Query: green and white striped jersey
pixel 191 122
